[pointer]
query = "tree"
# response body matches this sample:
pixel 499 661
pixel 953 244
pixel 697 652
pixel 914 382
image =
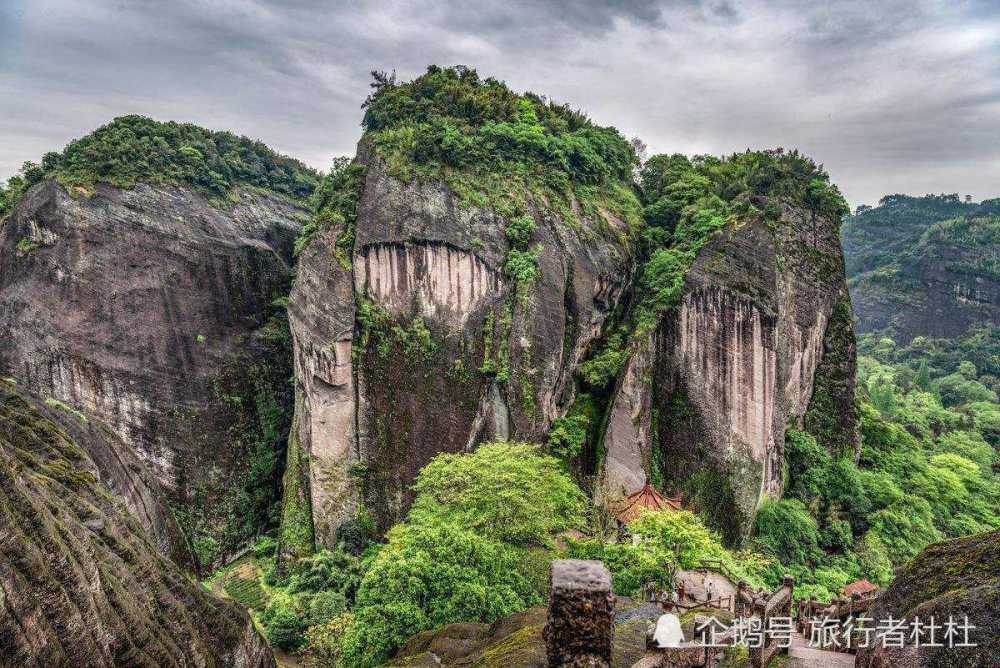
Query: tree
pixel 786 531
pixel 508 492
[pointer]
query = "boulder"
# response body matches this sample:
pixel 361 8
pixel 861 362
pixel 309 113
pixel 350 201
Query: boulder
pixel 955 580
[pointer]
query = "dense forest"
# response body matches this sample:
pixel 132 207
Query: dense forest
pixel 135 149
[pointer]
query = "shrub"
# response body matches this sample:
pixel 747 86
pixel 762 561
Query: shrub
pixel 568 436
pixel 324 642
pixel 786 531
pixel 666 539
pixel 283 624
pixel 428 576
pixel 509 492
pixel 632 565
pixel 324 606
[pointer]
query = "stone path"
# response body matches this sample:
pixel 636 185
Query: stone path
pixel 801 655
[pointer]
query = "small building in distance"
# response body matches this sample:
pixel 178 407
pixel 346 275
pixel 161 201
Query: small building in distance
pixel 860 587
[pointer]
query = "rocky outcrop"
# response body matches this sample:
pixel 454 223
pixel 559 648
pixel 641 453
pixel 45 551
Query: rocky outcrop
pixel 957 580
pixel 80 581
pixel 517 641
pixel 421 343
pixel 747 352
pixel 149 310
pixel 120 470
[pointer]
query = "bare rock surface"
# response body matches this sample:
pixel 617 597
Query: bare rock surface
pixel 146 308
pixel 762 335
pixel 419 345
pixel 954 580
pixel 81 583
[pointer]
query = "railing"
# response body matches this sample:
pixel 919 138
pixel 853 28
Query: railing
pixel 778 604
pixel 840 609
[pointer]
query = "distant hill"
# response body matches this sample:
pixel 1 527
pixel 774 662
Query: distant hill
pixel 924 266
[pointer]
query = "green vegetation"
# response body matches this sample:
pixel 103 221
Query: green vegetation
pixel 475 491
pixel 52 402
pixel 335 203
pixel 875 237
pixel 928 470
pixel 501 150
pixel 429 575
pixel 136 149
pixel 26 245
pixel 686 200
pixel 475 547
pixel 668 540
pixel 911 257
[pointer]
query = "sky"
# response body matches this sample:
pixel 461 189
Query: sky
pixel 889 96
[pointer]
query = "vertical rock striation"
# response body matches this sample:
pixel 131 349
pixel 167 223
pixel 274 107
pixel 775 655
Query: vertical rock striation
pixel 421 346
pixel 148 308
pixel 747 352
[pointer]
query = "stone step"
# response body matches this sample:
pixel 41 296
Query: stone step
pixel 801 655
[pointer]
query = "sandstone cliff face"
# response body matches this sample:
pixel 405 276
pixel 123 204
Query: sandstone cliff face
pixel 147 309
pixel 80 582
pixel 726 371
pixel 423 345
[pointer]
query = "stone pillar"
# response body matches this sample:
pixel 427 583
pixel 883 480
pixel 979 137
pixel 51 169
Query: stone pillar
pixel 581 622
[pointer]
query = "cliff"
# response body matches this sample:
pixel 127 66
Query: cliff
pixel 448 296
pixel 151 309
pixel 751 333
pixel 81 582
pixel 956 579
pixel 437 306
pixel 423 344
pixel 924 266
pixel 761 339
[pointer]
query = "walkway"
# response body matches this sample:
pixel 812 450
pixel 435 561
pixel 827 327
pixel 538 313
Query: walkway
pixel 802 655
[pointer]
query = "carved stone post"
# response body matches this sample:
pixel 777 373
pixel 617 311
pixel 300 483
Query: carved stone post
pixel 581 622
pixel 789 583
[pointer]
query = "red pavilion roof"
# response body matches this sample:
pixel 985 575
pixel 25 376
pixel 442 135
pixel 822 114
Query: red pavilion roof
pixel 646 498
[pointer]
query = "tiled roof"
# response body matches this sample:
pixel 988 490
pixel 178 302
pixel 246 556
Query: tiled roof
pixel 859 587
pixel 646 498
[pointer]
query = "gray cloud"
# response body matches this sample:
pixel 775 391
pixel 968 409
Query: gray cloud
pixel 890 96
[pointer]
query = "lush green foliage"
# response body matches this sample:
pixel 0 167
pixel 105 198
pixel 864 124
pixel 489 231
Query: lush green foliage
pixel 875 237
pixel 568 436
pixel 467 549
pixel 499 149
pixel 666 540
pixel 134 149
pixel 317 590
pixel 686 200
pixel 335 203
pixel 508 492
pixel 430 575
pixel 927 470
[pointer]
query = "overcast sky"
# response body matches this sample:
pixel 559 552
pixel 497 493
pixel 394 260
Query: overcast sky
pixel 890 96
